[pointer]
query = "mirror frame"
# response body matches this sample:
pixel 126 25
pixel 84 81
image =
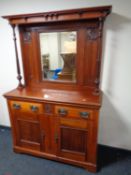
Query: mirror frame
pixel 66 27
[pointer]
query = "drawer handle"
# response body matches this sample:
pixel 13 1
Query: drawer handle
pixel 84 114
pixel 63 112
pixel 34 108
pixel 16 106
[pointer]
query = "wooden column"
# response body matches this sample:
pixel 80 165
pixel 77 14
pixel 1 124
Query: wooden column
pixel 19 77
pixel 97 81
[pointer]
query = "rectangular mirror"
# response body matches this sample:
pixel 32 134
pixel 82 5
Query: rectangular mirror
pixel 58 56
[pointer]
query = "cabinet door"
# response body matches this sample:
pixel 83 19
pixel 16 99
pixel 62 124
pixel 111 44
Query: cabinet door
pixel 27 131
pixel 48 131
pixel 25 123
pixel 74 138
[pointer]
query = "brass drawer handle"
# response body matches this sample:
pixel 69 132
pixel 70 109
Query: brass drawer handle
pixel 34 108
pixel 84 114
pixel 63 112
pixel 16 106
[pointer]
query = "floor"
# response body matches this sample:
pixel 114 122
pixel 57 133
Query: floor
pixel 111 162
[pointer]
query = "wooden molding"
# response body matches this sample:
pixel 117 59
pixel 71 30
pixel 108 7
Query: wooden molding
pixel 64 15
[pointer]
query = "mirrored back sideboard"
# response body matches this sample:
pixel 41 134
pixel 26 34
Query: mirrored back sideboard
pixel 54 114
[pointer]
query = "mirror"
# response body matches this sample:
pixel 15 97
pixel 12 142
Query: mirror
pixel 58 56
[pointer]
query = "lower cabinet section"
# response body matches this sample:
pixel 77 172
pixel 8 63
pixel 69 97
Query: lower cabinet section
pixel 63 133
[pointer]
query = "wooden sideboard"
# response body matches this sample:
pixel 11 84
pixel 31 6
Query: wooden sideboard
pixel 58 118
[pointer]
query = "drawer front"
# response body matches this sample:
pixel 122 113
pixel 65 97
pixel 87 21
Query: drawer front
pixel 73 112
pixel 73 123
pixel 27 107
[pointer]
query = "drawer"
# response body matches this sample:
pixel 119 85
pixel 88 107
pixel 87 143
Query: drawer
pixel 27 107
pixel 73 112
pixel 74 123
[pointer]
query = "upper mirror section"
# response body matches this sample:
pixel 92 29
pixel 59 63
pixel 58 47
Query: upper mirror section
pixel 58 56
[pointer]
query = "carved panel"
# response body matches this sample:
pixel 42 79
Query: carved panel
pixel 93 34
pixel 48 108
pixel 27 36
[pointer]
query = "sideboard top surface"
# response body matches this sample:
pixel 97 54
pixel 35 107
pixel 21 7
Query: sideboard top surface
pixel 84 98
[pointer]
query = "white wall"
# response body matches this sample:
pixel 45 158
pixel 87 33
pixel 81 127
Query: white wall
pixel 115 116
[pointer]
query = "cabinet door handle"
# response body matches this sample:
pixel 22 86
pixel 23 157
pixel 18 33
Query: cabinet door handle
pixel 84 114
pixel 62 112
pixel 34 108
pixel 42 135
pixel 56 138
pixel 16 106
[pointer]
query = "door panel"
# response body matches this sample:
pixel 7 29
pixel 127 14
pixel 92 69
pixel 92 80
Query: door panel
pixel 73 143
pixel 73 140
pixel 27 131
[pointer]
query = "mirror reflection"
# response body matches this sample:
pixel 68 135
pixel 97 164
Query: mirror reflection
pixel 58 56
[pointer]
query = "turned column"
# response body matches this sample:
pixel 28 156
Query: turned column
pixel 19 77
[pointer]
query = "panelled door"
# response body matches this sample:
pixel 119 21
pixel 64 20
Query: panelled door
pixel 25 119
pixel 74 133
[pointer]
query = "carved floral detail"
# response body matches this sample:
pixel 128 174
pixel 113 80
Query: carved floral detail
pixel 48 108
pixel 27 36
pixel 93 34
